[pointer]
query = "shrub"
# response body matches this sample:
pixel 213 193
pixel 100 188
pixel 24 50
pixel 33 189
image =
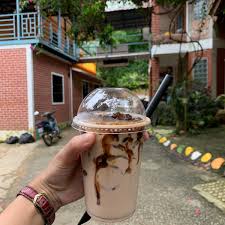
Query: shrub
pixel 164 115
pixel 202 110
pixel 221 112
pixel 220 100
pixel 194 108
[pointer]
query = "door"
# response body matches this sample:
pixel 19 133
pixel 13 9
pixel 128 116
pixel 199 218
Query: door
pixel 220 71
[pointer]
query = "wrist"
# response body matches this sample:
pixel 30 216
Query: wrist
pixel 41 187
pixel 21 211
pixel 31 209
pixel 40 202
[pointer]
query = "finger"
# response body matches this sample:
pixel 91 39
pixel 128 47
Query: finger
pixel 71 152
pixel 146 136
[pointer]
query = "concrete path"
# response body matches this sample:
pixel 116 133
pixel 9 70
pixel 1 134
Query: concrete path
pixel 165 195
pixel 11 159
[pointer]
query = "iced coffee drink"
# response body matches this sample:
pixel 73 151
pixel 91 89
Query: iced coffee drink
pixel 111 168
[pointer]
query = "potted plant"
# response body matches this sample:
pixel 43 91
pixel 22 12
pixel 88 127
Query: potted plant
pixel 27 5
pixel 221 112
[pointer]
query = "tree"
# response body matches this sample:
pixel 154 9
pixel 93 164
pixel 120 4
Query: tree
pixel 88 17
pixel 134 76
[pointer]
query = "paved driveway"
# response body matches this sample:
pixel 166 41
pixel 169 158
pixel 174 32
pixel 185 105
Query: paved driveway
pixel 165 192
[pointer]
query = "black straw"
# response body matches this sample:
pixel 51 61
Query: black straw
pixel 85 218
pixel 158 95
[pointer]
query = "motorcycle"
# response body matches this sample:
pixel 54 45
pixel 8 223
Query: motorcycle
pixel 48 128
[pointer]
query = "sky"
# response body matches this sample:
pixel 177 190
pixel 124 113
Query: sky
pixel 115 5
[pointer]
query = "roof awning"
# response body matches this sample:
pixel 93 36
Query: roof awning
pixel 89 68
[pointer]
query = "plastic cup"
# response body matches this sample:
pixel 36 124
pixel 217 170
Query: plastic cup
pixel 111 169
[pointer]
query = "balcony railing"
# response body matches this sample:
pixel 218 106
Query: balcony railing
pixel 131 44
pixel 34 28
pixel 56 37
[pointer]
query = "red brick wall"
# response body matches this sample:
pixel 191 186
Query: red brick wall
pixel 77 93
pixel 43 67
pixel 154 76
pixel 78 78
pixel 206 54
pixel 155 70
pixel 13 90
pixel 155 22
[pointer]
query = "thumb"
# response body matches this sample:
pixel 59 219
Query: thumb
pixel 71 152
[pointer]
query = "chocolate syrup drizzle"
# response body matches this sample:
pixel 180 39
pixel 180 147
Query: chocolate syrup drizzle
pixel 140 143
pixel 101 161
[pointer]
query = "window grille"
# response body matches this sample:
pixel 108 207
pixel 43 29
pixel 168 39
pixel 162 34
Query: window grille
pixel 201 72
pixel 200 9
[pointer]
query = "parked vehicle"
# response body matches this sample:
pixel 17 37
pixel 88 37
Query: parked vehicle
pixel 48 128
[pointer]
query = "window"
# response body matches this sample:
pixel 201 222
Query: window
pixel 201 72
pixel 57 88
pixel 200 9
pixel 85 88
pixel 179 23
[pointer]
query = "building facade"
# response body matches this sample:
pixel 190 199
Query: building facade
pixel 189 32
pixel 38 69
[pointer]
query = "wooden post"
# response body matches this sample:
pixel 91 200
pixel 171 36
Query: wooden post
pixel 18 18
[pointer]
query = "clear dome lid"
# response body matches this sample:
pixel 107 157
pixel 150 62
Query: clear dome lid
pixel 111 110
